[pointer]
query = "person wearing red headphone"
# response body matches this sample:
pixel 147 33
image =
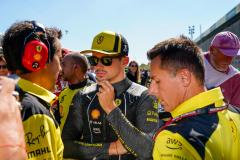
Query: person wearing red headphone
pixel 33 53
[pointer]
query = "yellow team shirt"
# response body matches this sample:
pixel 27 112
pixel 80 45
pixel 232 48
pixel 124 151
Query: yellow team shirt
pixel 65 99
pixel 42 133
pixel 208 136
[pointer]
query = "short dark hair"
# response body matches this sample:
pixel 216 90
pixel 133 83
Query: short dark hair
pixel 13 43
pixel 80 60
pixel 179 53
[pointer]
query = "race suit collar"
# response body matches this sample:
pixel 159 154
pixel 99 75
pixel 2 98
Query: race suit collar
pixel 213 96
pixel 78 85
pixel 122 86
pixel 37 91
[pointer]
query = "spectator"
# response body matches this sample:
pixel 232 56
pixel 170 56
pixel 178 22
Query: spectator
pixel 74 71
pixel 219 71
pixel 3 65
pixel 144 77
pixel 200 119
pixel 115 118
pixel 12 145
pixel 33 53
pixel 133 72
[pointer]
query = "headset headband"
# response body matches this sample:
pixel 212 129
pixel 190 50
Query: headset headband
pixel 36 48
pixel 38 30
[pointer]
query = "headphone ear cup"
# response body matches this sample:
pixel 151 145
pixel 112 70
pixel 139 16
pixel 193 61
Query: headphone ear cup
pixel 35 55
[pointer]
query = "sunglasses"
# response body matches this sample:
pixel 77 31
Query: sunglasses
pixel 133 65
pixel 106 61
pixel 3 67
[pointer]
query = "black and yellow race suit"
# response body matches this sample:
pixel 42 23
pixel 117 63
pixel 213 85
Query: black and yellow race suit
pixel 42 133
pixel 89 131
pixel 208 135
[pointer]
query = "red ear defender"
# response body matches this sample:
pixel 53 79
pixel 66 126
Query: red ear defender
pixel 35 55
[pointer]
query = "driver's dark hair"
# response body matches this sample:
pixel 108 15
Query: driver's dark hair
pixel 179 53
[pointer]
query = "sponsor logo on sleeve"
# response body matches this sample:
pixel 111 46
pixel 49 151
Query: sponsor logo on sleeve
pixel 173 144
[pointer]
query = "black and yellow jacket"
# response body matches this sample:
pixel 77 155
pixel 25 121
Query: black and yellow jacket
pixel 42 133
pixel 207 135
pixel 88 131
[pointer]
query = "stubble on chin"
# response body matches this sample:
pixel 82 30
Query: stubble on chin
pixel 100 79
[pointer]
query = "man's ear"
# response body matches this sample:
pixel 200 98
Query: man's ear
pixel 185 77
pixel 125 61
pixel 212 50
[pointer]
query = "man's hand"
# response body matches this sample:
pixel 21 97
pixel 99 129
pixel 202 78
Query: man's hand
pixel 8 103
pixel 120 148
pixel 12 142
pixel 106 96
pixel 116 148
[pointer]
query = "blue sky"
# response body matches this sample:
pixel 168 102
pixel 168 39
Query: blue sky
pixel 143 22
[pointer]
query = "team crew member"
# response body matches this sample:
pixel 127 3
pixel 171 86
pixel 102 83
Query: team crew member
pixel 115 118
pixel 201 127
pixel 34 53
pixel 74 71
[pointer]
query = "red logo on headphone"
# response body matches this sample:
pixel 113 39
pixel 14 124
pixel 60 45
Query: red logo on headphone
pixel 38 48
pixel 35 55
